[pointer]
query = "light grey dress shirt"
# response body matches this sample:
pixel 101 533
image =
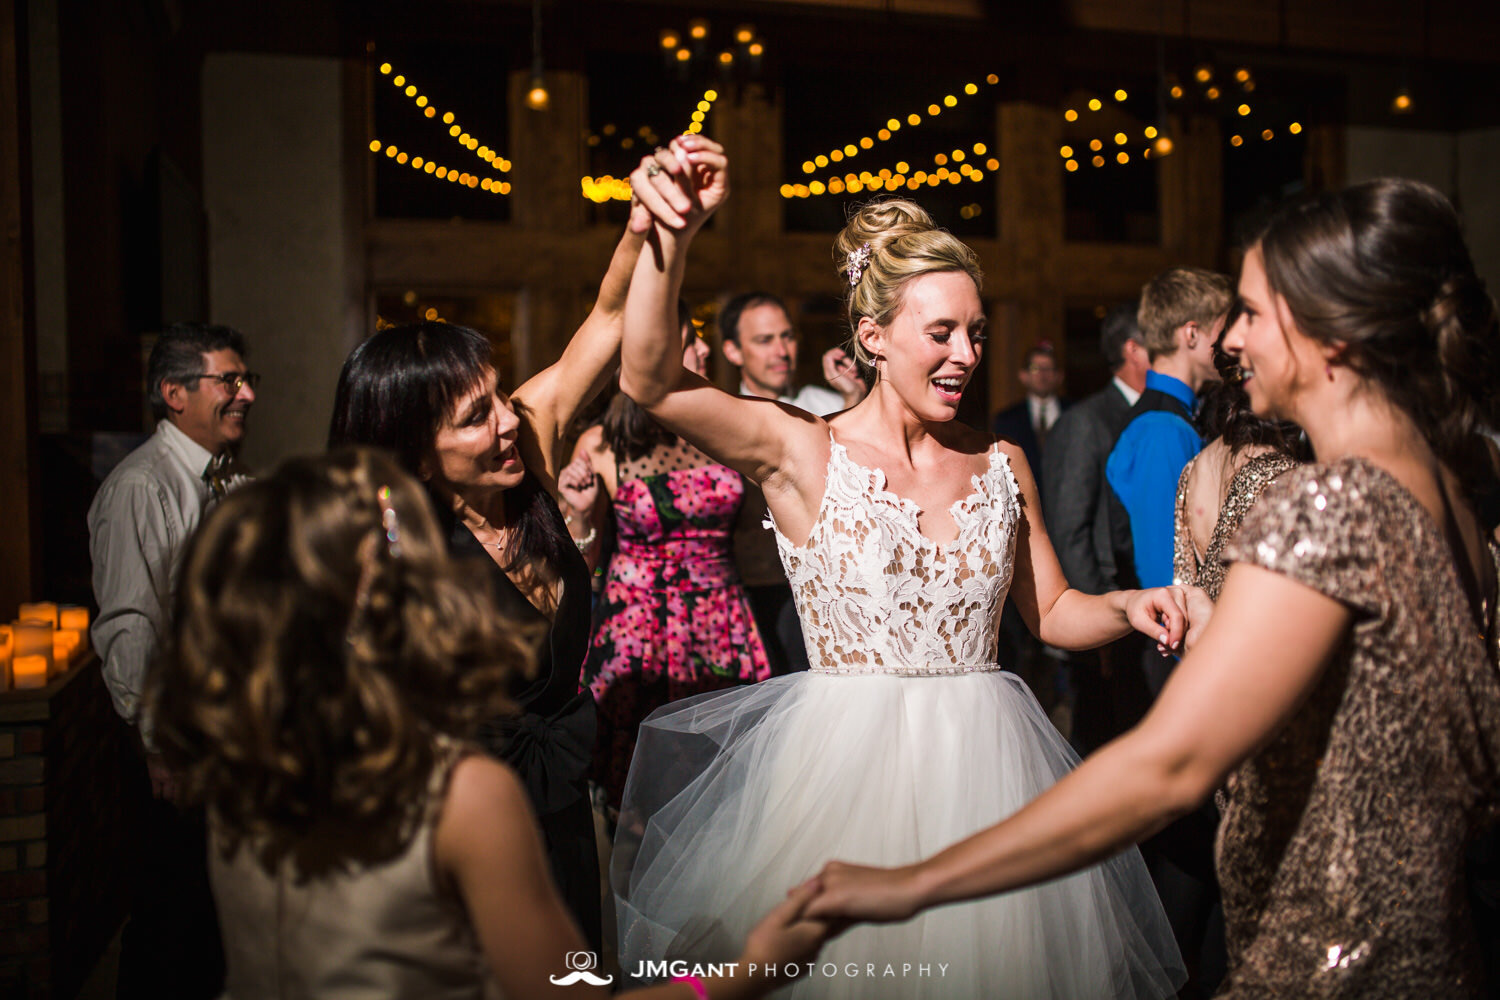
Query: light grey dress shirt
pixel 143 513
pixel 813 398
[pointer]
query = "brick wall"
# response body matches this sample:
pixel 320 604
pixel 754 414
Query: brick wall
pixel 63 833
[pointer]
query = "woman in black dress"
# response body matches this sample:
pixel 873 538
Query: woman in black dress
pixel 429 393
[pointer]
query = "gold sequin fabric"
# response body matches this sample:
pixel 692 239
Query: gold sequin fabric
pixel 1245 487
pixel 1341 852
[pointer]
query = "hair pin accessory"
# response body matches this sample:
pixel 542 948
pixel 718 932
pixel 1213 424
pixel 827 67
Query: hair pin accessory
pixel 858 261
pixel 389 522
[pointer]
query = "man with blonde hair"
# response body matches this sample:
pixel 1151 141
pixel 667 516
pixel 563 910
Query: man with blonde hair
pixel 1182 312
pixel 1181 315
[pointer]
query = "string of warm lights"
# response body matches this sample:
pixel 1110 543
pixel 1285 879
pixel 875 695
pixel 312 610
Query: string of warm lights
pixel 1157 145
pixel 887 179
pixel 1095 104
pixel 440 172
pixel 457 131
pixel 893 125
pixel 1204 75
pixel 610 188
pixel 701 112
pixel 627 140
pixel 1266 134
pixel 1156 149
pixel 606 188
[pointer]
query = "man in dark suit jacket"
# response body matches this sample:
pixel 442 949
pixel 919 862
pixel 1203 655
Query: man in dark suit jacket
pixel 1029 422
pixel 1076 507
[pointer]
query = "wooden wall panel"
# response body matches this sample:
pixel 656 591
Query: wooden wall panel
pixel 20 544
pixel 1246 21
pixel 1370 26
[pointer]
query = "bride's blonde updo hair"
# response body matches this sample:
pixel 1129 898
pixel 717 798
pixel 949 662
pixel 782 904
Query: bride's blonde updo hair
pixel 903 243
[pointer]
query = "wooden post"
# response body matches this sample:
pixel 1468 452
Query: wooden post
pixel 20 542
pixel 1031 225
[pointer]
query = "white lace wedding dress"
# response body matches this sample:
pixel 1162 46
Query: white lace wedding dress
pixel 903 738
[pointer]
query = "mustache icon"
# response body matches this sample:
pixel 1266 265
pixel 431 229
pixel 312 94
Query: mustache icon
pixel 581 976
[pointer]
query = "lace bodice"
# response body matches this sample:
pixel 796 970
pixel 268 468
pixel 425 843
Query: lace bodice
pixel 877 597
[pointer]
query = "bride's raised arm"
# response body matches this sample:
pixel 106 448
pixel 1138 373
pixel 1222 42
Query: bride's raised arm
pixel 765 440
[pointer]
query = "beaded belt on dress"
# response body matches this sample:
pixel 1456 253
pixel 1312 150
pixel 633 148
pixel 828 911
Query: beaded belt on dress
pixel 929 670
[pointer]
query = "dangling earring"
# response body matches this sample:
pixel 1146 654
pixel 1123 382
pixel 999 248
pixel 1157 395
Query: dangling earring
pixel 1328 370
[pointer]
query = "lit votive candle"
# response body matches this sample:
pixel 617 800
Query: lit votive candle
pixel 7 650
pixel 34 638
pixel 74 616
pixel 66 643
pixel 31 672
pixel 42 611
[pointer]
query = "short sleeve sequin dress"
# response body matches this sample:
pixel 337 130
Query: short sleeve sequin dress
pixel 1341 851
pixel 1245 487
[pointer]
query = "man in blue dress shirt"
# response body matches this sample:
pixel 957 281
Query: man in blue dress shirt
pixel 1181 317
pixel 1182 314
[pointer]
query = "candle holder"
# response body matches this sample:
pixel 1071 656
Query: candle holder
pixel 33 638
pixel 7 652
pixel 30 672
pixel 43 611
pixel 67 643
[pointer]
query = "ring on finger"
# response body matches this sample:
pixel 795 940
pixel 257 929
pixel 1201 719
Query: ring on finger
pixel 652 169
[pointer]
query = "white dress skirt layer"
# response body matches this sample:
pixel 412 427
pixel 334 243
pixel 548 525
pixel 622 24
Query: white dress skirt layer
pixel 904 740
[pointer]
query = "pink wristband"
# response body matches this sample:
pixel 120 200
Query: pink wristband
pixel 697 984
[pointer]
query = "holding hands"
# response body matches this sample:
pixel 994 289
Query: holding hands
pixel 680 185
pixel 1169 616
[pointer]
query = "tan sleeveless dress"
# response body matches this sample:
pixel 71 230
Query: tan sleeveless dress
pixel 387 930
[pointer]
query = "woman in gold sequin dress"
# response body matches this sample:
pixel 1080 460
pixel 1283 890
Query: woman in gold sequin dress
pixel 1244 454
pixel 1347 685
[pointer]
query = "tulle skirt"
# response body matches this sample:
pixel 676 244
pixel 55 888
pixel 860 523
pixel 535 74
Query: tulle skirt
pixel 736 796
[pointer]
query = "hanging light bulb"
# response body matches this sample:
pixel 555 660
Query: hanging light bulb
pixel 1161 141
pixel 1401 104
pixel 537 98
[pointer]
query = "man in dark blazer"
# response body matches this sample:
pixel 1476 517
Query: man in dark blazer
pixel 1030 421
pixel 1108 697
pixel 1027 424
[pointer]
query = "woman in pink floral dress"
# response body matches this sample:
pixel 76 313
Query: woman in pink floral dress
pixel 673 620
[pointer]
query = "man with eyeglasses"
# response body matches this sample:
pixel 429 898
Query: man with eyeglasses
pixel 141 517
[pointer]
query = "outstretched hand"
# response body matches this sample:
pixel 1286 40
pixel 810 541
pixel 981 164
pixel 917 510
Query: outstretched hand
pixel 851 894
pixel 788 936
pixel 1161 614
pixel 680 185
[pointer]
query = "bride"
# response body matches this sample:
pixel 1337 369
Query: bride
pixel 901 531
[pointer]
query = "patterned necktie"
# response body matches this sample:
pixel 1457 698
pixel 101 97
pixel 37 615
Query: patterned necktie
pixel 216 475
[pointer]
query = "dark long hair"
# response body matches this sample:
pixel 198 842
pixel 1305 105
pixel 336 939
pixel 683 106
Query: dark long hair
pixel 629 430
pixel 1382 269
pixel 1225 410
pixel 320 638
pixel 396 391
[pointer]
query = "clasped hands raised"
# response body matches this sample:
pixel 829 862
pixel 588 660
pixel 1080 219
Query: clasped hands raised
pixel 679 185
